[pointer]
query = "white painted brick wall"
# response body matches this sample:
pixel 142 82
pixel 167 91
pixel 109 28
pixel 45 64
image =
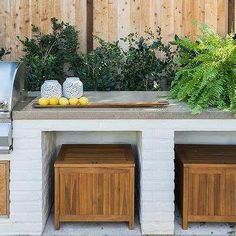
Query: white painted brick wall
pixel 157 181
pixel 32 158
pixel 26 183
pixel 48 159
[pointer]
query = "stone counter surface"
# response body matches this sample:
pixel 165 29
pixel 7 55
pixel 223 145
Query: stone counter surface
pixel 176 110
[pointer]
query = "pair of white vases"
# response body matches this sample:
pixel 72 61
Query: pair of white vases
pixel 72 88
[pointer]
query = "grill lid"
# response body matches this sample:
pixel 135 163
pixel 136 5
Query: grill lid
pixel 11 84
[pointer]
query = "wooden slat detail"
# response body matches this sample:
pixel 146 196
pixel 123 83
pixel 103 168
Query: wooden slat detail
pixel 112 19
pixel 17 16
pixel 4 188
pixel 94 183
pixel 173 16
pixel 86 194
pixel 206 183
pixel 230 186
pixel 206 193
pixel 232 16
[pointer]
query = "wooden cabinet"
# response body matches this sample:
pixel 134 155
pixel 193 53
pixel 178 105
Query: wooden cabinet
pixel 206 183
pixel 94 183
pixel 4 187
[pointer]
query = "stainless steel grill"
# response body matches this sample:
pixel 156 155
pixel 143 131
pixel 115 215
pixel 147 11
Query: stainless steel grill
pixel 12 75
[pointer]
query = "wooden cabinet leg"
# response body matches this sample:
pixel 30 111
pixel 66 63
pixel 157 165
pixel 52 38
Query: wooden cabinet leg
pixel 57 224
pixel 56 200
pixel 131 224
pixel 184 224
pixel 132 194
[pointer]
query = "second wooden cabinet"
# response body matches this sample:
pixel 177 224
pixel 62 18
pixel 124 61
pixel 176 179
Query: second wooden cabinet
pixel 4 188
pixel 94 183
pixel 206 183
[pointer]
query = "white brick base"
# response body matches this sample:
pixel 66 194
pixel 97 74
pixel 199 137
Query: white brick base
pixel 157 181
pixel 34 152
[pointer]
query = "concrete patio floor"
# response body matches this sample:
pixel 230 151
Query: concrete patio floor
pixel 91 229
pixel 204 229
pixel 121 229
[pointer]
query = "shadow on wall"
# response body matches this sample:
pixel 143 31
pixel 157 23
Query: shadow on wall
pixel 203 137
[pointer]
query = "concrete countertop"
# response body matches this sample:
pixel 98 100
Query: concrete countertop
pixel 176 110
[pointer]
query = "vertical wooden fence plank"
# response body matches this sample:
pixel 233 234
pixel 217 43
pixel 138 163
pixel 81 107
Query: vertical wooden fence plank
pixel 135 15
pixel 178 17
pixel 232 16
pixel 100 20
pixel 123 18
pixel 198 16
pixel 211 13
pixel 222 17
pixel 81 22
pixel 145 15
pixel 188 17
pixel 112 20
pixel 89 27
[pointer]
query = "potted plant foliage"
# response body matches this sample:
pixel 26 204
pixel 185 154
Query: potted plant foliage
pixel 206 75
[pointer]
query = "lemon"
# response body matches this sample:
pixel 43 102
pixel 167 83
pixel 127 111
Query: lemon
pixel 73 101
pixel 43 101
pixel 53 101
pixel 83 101
pixel 63 101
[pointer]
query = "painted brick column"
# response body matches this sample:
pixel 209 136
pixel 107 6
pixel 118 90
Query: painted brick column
pixel 26 182
pixel 156 149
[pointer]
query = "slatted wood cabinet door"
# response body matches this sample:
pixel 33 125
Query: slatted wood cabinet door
pixel 206 183
pixel 206 199
pixel 4 188
pixel 95 194
pixel 94 183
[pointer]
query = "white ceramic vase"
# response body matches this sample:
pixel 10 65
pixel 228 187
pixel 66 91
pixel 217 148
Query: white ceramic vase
pixel 51 88
pixel 73 88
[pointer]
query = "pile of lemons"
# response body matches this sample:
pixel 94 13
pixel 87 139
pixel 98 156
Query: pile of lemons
pixel 83 101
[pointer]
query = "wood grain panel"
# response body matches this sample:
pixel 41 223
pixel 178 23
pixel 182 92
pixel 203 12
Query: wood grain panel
pixel 232 16
pixel 112 19
pixel 173 16
pixel 206 193
pixel 84 193
pixel 17 16
pixel 4 188
pixel 94 183
pixel 206 183
pixel 230 189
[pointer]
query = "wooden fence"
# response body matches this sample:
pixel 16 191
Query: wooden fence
pixel 17 16
pixel 112 19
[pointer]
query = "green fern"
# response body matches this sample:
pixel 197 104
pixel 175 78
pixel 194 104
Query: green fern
pixel 206 76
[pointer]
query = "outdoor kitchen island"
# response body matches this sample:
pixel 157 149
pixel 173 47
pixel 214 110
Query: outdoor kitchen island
pixel 153 132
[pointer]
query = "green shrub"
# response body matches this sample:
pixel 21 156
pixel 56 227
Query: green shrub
pixel 3 52
pixel 109 67
pixel 100 69
pixel 47 55
pixel 145 62
pixel 207 71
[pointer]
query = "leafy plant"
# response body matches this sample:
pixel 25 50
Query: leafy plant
pixel 147 61
pixel 3 52
pixel 100 68
pixel 207 71
pixel 47 55
pixel 137 67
